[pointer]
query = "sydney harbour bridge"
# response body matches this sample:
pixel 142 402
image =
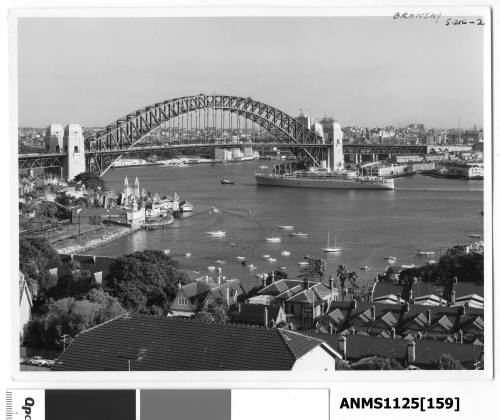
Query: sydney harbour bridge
pixel 202 121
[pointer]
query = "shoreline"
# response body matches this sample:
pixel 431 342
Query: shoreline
pixel 93 243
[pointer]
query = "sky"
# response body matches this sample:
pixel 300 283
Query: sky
pixel 363 71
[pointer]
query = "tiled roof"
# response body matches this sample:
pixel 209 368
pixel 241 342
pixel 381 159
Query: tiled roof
pixel 426 351
pixel 170 344
pixel 254 314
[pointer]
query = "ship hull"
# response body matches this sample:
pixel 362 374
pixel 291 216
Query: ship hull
pixel 319 183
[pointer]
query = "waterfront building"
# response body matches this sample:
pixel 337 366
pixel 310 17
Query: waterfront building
pixel 304 119
pixel 175 344
pixel 318 129
pixel 467 170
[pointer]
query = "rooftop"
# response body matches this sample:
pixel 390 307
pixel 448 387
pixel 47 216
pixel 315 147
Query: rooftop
pixel 174 344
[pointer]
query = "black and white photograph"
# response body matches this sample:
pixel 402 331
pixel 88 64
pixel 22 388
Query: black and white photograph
pixel 262 192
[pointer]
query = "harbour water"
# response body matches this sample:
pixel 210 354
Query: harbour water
pixel 422 212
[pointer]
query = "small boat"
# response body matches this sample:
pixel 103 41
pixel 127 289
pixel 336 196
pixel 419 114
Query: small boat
pixel 273 239
pixel 271 260
pixel 329 248
pixel 285 253
pixel 266 256
pixel 217 233
pixel 166 251
pixel 232 244
pixel 390 259
pixel 239 258
pixel 422 251
pixel 365 268
pixel 299 234
pixel 211 268
pixel 303 263
pixel 188 254
pixel 286 227
pixel 282 267
pixel 187 207
pixel 252 267
pixel 220 262
pixel 227 181
pixel 406 266
pixel 474 235
pixel 215 210
pixel 431 262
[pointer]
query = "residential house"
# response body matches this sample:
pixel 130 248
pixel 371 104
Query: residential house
pixel 197 295
pixel 303 301
pixel 156 343
pixel 259 314
pixel 360 350
pixel 458 324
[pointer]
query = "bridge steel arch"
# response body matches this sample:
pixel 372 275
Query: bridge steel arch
pixel 105 146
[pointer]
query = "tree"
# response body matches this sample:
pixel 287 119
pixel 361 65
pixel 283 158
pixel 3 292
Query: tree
pixel 35 256
pixel 352 278
pixel 342 274
pixel 215 311
pixel 383 363
pixel 446 362
pixel 91 180
pixel 145 279
pixel 316 268
pixel 75 284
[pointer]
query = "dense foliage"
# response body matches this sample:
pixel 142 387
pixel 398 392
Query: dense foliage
pixel 446 362
pixel 91 180
pixel 70 316
pixel 35 255
pixel 215 311
pixel 455 263
pixel 145 281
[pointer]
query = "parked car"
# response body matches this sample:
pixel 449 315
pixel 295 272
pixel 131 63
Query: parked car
pixel 40 361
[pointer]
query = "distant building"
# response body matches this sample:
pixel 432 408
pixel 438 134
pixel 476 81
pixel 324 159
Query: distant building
pixel 259 314
pixel 54 138
pixel 304 119
pixel 466 170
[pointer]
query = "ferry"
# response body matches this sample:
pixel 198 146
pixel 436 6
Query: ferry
pixel 321 178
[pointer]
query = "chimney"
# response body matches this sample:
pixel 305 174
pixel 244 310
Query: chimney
pixel 263 278
pixel 330 282
pixel 410 296
pixel 399 298
pixel 393 333
pixel 265 317
pixel 272 276
pixel 93 258
pixel 460 337
pixel 228 297
pixel 461 310
pixel 239 308
pixel 305 284
pixel 372 313
pixel 406 307
pixel 452 297
pixel 98 277
pixel 343 346
pixel 219 271
pixel 411 351
pixel 429 316
pixel 330 328
pixel 354 304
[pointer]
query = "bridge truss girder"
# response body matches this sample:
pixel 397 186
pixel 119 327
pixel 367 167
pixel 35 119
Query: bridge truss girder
pixel 134 127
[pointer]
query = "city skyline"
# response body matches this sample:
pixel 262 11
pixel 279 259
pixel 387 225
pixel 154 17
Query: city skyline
pixel 104 68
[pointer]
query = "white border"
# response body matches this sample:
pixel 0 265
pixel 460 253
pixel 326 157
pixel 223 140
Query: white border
pixel 255 379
